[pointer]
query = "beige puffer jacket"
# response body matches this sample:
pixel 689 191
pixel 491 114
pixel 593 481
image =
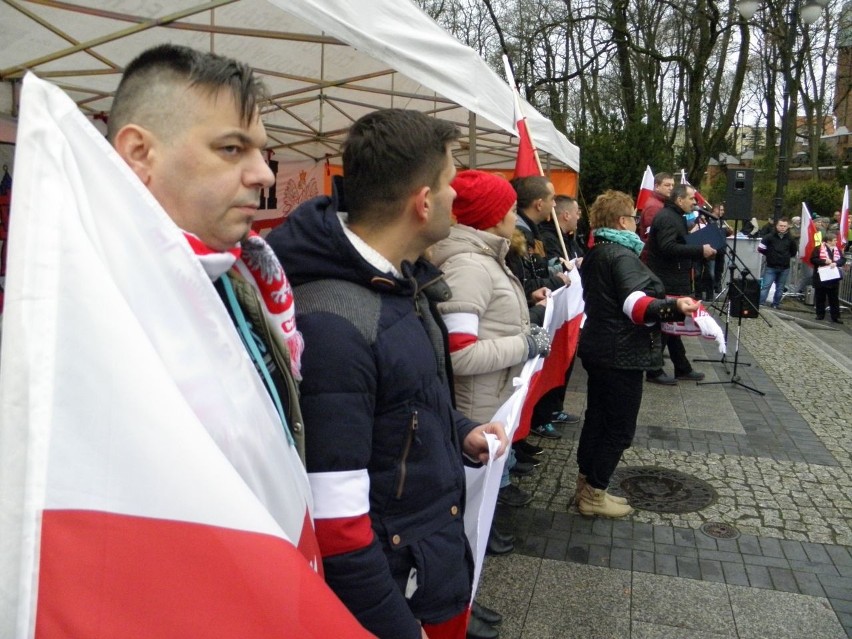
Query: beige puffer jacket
pixel 487 297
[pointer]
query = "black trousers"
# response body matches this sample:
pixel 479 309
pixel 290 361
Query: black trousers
pixel 613 401
pixel 677 353
pixel 821 293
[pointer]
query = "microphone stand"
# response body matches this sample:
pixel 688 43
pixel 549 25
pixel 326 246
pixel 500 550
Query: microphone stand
pixel 739 290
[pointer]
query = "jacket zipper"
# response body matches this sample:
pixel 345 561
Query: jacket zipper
pixel 412 429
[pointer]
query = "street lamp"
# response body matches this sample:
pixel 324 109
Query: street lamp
pixel 810 12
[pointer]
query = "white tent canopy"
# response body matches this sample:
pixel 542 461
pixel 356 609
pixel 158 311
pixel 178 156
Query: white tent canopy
pixel 325 63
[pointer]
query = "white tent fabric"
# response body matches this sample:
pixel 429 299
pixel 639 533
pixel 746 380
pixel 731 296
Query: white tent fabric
pixel 326 63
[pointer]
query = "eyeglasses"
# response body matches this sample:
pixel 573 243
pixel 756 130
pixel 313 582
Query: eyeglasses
pixel 635 218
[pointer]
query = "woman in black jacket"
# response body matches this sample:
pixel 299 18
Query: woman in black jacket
pixel 625 303
pixel 827 254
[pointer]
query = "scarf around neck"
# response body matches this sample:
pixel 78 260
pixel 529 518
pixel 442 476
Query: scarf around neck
pixel 823 253
pixel 255 261
pixel 627 239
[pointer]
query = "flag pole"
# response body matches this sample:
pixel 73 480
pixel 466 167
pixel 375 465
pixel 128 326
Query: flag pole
pixel 510 77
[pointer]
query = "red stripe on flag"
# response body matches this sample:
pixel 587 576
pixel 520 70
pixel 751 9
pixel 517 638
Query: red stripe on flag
pixel 344 534
pixel 552 374
pixel 108 575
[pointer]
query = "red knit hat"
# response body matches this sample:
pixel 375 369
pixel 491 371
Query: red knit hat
pixel 482 199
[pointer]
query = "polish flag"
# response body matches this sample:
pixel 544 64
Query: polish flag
pixel 527 163
pixel 147 487
pixel 807 239
pixel 699 199
pixel 843 232
pixel 646 189
pixel 563 319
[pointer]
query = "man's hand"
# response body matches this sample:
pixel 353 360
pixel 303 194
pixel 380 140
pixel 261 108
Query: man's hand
pixel 687 305
pixel 709 251
pixel 539 294
pixel 475 445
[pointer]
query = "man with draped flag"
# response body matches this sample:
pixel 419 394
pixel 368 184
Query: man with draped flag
pixel 150 481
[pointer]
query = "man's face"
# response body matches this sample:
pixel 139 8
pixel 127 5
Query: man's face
pixel 665 187
pixel 441 200
pixel 208 176
pixel 571 215
pixel 546 204
pixel 687 201
pixel 782 227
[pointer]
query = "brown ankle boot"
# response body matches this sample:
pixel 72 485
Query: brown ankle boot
pixel 593 501
pixel 581 481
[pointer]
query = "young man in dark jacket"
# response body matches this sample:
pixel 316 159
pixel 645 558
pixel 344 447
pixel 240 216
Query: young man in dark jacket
pixel 671 259
pixel 778 246
pixel 384 444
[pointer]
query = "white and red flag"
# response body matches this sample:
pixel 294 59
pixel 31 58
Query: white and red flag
pixel 563 320
pixel 699 199
pixel 807 239
pixel 147 488
pixel 527 162
pixel 646 189
pixel 843 232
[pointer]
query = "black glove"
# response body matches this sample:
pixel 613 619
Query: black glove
pixel 538 342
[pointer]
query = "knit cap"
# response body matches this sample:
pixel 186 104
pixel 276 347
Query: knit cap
pixel 482 199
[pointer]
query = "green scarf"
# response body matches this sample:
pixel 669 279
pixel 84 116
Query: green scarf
pixel 627 239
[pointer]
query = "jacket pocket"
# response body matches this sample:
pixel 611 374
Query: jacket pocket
pixel 406 450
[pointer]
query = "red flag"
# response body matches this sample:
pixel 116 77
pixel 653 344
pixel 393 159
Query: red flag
pixel 807 240
pixel 645 189
pixel 564 328
pixel 843 232
pixel 527 161
pixel 699 199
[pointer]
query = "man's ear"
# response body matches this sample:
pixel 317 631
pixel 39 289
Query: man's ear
pixel 422 203
pixel 135 146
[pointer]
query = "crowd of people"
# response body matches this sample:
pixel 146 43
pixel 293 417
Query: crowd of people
pixel 419 293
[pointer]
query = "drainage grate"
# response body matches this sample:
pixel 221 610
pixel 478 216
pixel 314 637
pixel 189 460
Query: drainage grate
pixel 661 490
pixel 718 530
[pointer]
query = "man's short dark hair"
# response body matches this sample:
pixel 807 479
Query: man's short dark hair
pixel 782 219
pixel 530 189
pixel 146 94
pixel 660 177
pixel 562 202
pixel 389 154
pixel 680 190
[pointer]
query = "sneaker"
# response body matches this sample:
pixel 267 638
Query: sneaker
pixel 665 380
pixel 511 495
pixel 525 447
pixel 527 459
pixel 521 468
pixel 775 306
pixel 564 418
pixel 691 376
pixel 548 431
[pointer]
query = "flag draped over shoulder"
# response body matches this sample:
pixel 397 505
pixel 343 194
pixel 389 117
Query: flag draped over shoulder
pixel 807 240
pixel 843 232
pixel 645 189
pixel 147 488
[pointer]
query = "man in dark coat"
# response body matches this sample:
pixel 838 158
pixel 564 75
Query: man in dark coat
pixel 671 259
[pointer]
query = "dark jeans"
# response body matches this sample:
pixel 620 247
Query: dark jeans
pixel 820 295
pixel 610 424
pixel 677 353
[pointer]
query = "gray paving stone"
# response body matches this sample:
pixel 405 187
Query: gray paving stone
pixel 688 567
pixel 599 555
pixel 782 615
pixel 839 555
pixel 622 529
pixel 621 558
pixel 556 549
pixel 816 552
pixel 663 535
pixel 683 603
pixel 749 545
pixel 711 570
pixel 717 555
pixel 734 573
pixel 771 547
pixel 645 630
pixel 665 564
pixel 812 566
pixel 783 579
pixel 760 560
pixel 643 561
pixel 808 584
pixel 758 576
